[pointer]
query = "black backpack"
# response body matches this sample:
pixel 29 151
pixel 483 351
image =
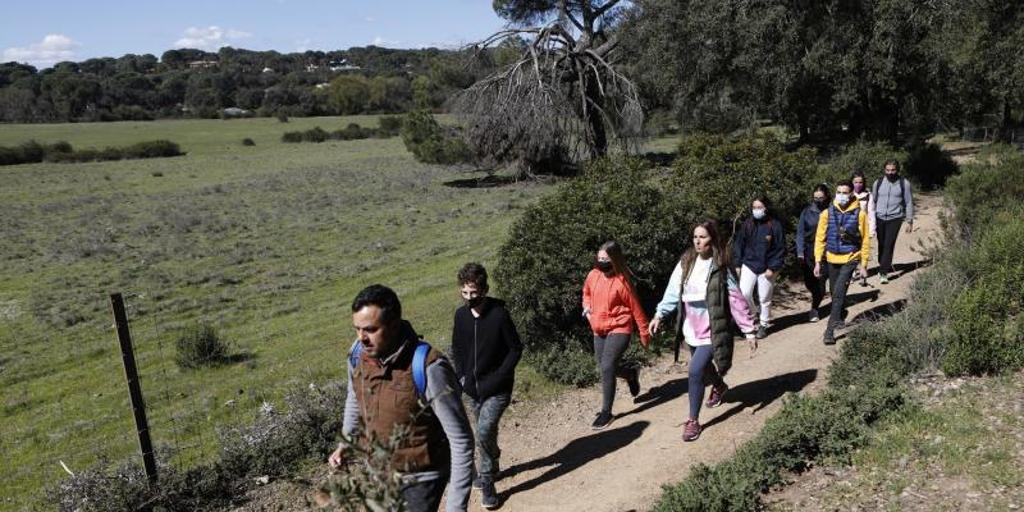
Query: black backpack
pixel 878 183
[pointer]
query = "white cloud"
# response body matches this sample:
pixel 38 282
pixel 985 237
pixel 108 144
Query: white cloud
pixel 385 43
pixel 210 38
pixel 51 50
pixel 370 19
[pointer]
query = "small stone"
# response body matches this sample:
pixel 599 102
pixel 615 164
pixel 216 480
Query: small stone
pixel 262 480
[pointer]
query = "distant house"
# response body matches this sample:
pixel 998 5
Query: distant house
pixel 235 112
pixel 341 65
pixel 312 67
pixel 202 64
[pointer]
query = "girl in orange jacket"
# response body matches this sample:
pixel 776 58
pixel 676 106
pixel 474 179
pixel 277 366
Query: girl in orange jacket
pixel 611 306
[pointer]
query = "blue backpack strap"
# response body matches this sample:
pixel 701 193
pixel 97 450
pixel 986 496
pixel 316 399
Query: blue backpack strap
pixel 353 356
pixel 419 367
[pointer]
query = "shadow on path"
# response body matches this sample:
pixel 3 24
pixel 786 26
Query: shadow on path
pixel 759 393
pixel 658 395
pixel 574 455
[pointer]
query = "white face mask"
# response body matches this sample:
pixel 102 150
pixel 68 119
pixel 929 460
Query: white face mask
pixel 843 199
pixel 758 213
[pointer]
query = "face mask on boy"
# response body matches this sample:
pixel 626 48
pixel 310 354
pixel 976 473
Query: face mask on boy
pixel 758 213
pixel 843 199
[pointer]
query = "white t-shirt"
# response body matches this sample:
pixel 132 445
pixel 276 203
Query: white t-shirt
pixel 695 296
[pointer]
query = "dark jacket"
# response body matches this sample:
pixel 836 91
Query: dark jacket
pixel 485 349
pixel 759 245
pixel 806 227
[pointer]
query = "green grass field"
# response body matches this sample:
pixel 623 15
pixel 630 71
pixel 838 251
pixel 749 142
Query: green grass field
pixel 268 243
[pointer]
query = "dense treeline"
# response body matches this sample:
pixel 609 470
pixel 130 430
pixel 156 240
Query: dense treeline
pixel 885 69
pixel 195 83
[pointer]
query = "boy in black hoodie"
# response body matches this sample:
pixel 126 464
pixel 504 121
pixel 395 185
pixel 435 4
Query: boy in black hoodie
pixel 485 350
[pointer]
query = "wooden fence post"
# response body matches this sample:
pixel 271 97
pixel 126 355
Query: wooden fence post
pixel 131 373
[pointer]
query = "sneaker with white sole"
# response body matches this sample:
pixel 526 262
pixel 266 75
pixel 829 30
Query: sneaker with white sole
pixel 813 316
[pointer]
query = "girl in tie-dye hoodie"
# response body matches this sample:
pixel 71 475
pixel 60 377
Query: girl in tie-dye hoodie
pixel 703 290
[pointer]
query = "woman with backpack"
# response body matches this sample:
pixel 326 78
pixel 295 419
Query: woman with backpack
pixel 806 227
pixel 611 306
pixel 758 252
pixel 704 293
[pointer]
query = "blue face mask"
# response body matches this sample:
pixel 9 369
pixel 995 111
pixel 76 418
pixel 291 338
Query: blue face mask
pixel 842 199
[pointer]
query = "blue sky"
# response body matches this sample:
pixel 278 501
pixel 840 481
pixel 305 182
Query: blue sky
pixel 43 32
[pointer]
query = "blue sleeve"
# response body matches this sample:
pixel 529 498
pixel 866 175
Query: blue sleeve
pixel 777 250
pixel 670 301
pixel 738 246
pixel 801 232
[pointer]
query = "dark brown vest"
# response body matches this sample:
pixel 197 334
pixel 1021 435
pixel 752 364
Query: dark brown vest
pixel 388 401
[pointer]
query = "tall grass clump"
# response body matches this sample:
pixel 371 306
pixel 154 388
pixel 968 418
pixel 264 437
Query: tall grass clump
pixel 198 346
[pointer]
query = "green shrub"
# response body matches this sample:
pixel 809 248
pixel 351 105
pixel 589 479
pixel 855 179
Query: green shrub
pixel 982 190
pixel 868 157
pixel 352 132
pixel 282 117
pixel 291 137
pixel 723 176
pixel 248 142
pixel 152 149
pixel 315 134
pixel 551 248
pixel 391 125
pixel 431 143
pixel 929 166
pixel 985 337
pixel 111 153
pixel 198 346
pixel 32 152
pixel 10 156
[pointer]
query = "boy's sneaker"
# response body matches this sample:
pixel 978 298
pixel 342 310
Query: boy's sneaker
pixel 489 495
pixel 813 316
pixel 603 420
pixel 691 431
pixel 829 338
pixel 717 393
pixel 633 381
pixel 762 332
pixel 883 278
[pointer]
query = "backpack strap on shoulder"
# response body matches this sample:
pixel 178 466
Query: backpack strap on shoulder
pixel 353 355
pixel 419 367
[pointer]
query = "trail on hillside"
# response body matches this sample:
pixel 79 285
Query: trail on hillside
pixel 552 460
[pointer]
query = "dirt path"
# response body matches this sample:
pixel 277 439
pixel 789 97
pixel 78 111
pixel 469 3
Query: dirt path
pixel 554 461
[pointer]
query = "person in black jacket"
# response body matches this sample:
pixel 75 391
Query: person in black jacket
pixel 485 350
pixel 806 228
pixel 759 250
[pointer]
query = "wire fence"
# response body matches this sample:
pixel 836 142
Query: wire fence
pixel 74 426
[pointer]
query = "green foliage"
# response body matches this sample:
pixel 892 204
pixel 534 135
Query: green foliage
pixel 392 125
pixel 929 166
pixel 431 143
pixel 865 156
pixel 985 328
pixel 723 176
pixel 198 346
pixel 248 142
pixel 62 152
pixel 984 189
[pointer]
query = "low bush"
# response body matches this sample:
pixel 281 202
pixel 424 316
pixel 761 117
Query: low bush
pixel 291 137
pixel 984 189
pixel 248 142
pixel 391 125
pixel 198 346
pixel 62 152
pixel 431 143
pixel 867 157
pixel 929 166
pixel 282 117
pixel 352 132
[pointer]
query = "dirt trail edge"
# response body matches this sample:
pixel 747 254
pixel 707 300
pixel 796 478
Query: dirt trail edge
pixel 552 460
pixel 556 462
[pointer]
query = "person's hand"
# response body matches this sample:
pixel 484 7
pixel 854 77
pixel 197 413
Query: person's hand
pixel 645 342
pixel 863 271
pixel 654 326
pixel 910 227
pixel 753 344
pixel 768 273
pixel 817 269
pixel 336 459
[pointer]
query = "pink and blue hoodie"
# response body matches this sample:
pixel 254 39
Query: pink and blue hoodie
pixel 697 321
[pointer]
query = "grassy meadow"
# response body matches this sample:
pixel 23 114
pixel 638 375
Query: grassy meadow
pixel 267 243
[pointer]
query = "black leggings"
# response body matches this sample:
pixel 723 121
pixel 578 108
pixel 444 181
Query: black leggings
pixel 815 285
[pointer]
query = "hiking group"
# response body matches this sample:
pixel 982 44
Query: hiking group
pixel 403 391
